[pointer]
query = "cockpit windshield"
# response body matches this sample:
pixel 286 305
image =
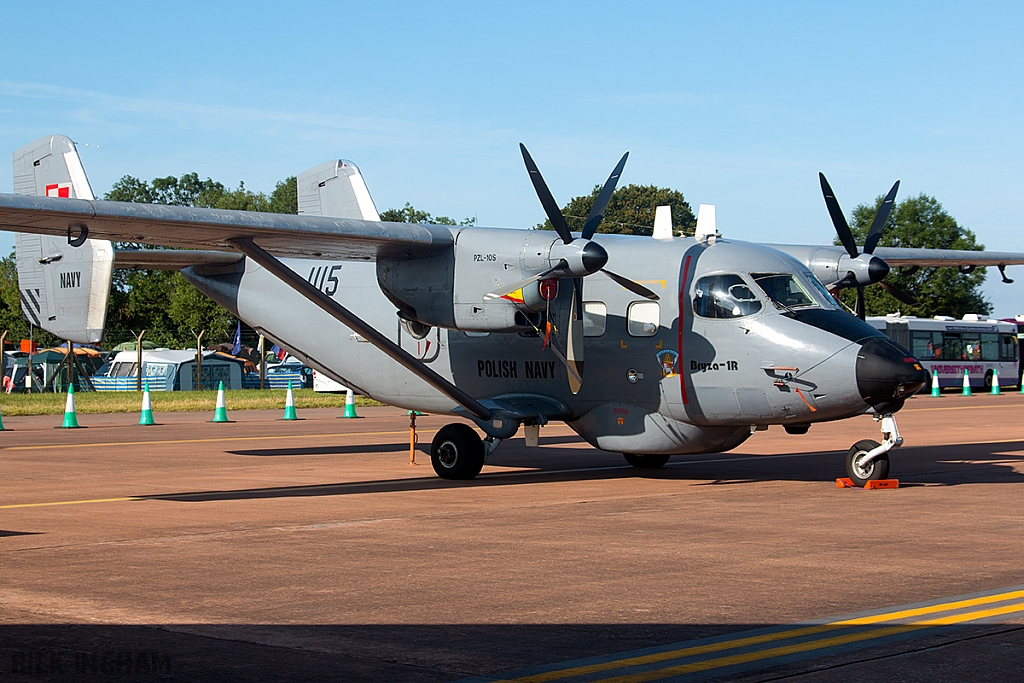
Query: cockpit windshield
pixel 784 290
pixel 724 296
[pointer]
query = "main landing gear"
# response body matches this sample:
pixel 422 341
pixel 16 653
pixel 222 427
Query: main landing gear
pixel 458 452
pixel 867 459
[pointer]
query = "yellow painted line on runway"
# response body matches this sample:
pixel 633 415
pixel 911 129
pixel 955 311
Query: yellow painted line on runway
pixel 786 635
pixel 211 440
pixel 69 502
pixel 809 646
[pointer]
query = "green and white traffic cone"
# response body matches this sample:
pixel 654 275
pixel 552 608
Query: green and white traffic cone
pixel 967 384
pixel 147 407
pixel 221 414
pixel 350 404
pixel 2 428
pixel 935 384
pixel 995 382
pixel 70 418
pixel 289 404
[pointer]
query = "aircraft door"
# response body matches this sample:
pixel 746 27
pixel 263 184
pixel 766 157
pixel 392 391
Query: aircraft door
pixel 718 356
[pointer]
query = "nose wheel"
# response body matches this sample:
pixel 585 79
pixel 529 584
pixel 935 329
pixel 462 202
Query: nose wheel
pixel 868 460
pixel 860 469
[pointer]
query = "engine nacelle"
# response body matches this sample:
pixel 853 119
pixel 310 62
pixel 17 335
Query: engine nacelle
pixel 448 288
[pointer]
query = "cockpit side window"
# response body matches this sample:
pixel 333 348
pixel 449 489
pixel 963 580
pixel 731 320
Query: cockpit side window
pixel 724 296
pixel 784 290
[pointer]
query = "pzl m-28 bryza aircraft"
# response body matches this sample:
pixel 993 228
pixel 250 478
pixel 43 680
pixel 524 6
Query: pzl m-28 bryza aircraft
pixel 690 344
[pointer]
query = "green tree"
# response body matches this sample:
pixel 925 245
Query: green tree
pixel 11 317
pixel 163 302
pixel 922 222
pixel 410 214
pixel 285 197
pixel 630 211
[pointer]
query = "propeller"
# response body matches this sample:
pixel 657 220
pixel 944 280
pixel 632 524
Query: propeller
pixel 872 269
pixel 578 257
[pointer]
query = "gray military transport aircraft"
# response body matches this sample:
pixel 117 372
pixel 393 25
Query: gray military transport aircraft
pixel 691 344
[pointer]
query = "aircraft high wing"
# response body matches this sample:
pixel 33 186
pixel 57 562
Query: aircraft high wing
pixel 692 344
pixel 282 235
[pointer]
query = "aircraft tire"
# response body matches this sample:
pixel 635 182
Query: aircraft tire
pixel 646 462
pixel 457 452
pixel 876 469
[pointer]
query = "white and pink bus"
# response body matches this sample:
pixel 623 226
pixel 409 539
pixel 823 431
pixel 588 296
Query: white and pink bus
pixel 983 347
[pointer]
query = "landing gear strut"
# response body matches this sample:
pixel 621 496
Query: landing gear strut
pixel 457 452
pixel 867 459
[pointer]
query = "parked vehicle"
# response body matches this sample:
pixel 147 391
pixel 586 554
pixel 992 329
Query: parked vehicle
pixel 169 370
pixel 982 347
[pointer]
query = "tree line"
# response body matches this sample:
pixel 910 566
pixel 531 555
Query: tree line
pixel 173 311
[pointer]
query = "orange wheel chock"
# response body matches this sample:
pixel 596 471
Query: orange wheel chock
pixel 847 483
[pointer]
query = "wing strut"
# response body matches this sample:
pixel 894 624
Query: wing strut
pixel 346 317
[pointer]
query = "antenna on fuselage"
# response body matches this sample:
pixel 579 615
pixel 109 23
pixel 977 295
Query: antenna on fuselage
pixel 707 230
pixel 663 223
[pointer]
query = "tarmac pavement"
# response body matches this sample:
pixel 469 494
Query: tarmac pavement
pixel 270 550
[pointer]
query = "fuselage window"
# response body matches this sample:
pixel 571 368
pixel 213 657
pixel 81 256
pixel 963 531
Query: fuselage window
pixel 595 318
pixel 1007 347
pixel 642 318
pixel 784 290
pixel 724 296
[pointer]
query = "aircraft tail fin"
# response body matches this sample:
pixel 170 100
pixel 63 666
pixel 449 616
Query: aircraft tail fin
pixel 64 289
pixel 335 189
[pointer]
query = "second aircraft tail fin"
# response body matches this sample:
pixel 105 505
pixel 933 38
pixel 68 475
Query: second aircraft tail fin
pixel 64 288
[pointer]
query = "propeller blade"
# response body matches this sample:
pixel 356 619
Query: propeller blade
pixel 573 375
pixel 838 219
pixel 601 203
pixel 574 343
pixel 905 297
pixel 508 289
pixel 881 218
pixel 860 303
pixel 631 285
pixel 546 199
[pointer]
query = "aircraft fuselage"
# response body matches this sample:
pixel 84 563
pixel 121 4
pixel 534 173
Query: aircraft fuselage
pixel 684 374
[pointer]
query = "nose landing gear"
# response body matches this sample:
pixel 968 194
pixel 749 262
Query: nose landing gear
pixel 867 459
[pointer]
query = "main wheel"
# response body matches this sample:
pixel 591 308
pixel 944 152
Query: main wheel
pixel 457 452
pixel 861 472
pixel 646 462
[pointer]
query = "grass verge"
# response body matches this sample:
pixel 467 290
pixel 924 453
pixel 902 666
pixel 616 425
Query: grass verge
pixel 170 401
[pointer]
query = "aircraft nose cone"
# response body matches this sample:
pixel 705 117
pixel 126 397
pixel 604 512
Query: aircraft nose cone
pixel 877 269
pixel 886 373
pixel 594 257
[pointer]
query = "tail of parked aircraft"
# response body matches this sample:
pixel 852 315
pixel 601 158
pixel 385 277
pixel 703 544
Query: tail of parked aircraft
pixel 335 189
pixel 64 287
pixel 65 283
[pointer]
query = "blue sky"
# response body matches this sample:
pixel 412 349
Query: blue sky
pixel 735 104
